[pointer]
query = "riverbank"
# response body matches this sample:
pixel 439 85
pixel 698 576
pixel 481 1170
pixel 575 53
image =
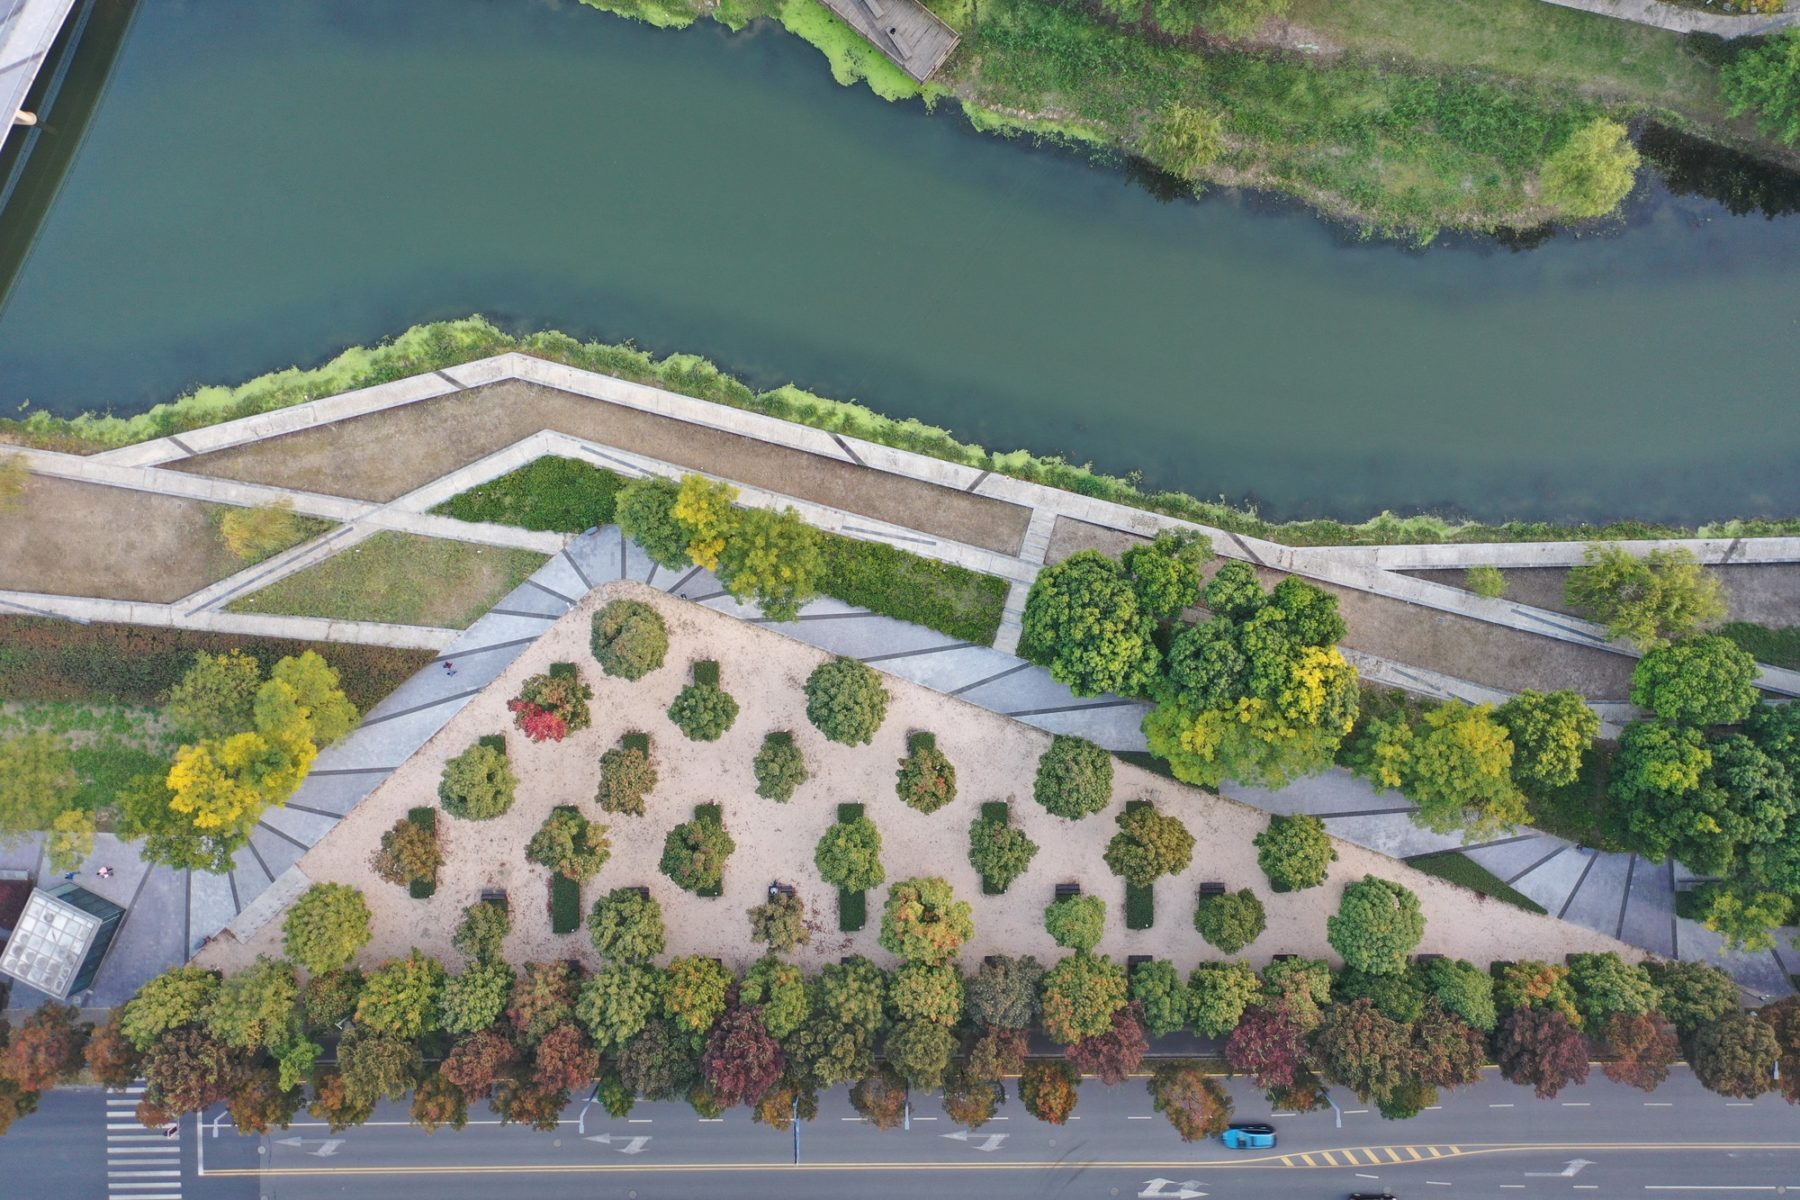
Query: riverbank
pixel 426 348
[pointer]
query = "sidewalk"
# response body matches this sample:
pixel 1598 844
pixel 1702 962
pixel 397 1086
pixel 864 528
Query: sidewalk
pixel 1679 19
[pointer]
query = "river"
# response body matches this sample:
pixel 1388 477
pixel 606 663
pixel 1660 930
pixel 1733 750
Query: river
pixel 264 183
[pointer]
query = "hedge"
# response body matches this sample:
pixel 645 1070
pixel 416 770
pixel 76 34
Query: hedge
pixel 565 904
pixel 560 495
pixel 953 600
pixel 853 907
pixel 636 740
pixel 1001 811
pixel 715 814
pixel 45 659
pixel 1140 902
pixel 426 819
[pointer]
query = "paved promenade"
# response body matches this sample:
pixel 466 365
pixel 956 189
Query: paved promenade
pixel 1680 19
pixel 27 30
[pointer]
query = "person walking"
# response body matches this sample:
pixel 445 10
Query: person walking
pixel 449 667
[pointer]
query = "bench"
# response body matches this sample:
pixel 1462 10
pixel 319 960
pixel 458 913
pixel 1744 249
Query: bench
pixel 1067 891
pixel 1212 888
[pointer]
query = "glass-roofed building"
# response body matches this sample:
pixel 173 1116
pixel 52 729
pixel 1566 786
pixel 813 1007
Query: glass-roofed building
pixel 59 940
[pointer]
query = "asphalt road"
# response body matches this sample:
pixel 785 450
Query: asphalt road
pixel 1490 1141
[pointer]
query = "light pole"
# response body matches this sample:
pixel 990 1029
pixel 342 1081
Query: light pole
pixel 796 1122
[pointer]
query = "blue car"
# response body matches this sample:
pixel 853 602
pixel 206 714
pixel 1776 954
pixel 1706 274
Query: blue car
pixel 1244 1135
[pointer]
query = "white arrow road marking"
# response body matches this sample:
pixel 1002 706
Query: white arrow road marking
pixel 1568 1172
pixel 989 1142
pixel 326 1146
pixel 626 1145
pixel 1156 1189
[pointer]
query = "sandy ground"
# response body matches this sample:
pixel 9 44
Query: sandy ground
pixel 1766 593
pixel 387 454
pixel 995 758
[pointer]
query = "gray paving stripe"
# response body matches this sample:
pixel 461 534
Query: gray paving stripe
pixel 317 812
pixel 1674 921
pixel 1625 900
pixel 1731 549
pixel 683 581
pixel 1505 841
pixel 875 658
pixel 1383 812
pixel 1570 898
pixel 44 612
pixel 354 771
pixel 418 708
pixel 708 596
pixel 1241 544
pixel 259 859
pixel 236 904
pixel 187 913
pixel 969 687
pixel 651 577
pixel 1063 708
pixel 1534 866
pixel 885 535
pixel 515 612
pixel 549 591
pixel 187 449
pixel 579 573
pixel 288 838
pixel 631 467
pixel 845 447
pixel 979 480
pixel 451 380
pixel 1574 629
pixel 449 656
pixel 624 557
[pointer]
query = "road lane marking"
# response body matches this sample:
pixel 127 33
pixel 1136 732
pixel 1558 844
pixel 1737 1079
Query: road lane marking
pixel 1137 1118
pixel 1438 1182
pixel 639 1120
pixel 1499 1106
pixel 1329 1161
pixel 1706 1187
pixel 1307 1159
pixel 1416 1156
pixel 1286 1161
pixel 1356 1112
pixel 1739 1104
pixel 1659 1104
pixel 1577 1104
pixel 1360 1175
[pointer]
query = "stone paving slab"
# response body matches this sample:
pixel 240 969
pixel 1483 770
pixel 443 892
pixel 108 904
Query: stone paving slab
pixel 339 793
pixel 597 553
pixel 151 939
pixel 1511 859
pixel 559 577
pixel 1021 691
pixel 1758 972
pixel 1598 904
pixel 277 853
pixel 1649 916
pixel 526 600
pixel 210 905
pixel 303 826
pixel 1552 883
pixel 1115 729
pixel 947 669
pixel 1392 834
pixel 860 635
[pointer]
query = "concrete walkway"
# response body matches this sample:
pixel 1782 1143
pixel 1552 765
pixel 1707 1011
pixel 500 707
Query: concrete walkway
pixel 28 28
pixel 1679 19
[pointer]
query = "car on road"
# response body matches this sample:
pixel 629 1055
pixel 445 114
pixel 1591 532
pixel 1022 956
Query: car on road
pixel 1373 1196
pixel 1247 1135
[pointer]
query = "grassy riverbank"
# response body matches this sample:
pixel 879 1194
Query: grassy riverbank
pixel 425 348
pixel 1402 116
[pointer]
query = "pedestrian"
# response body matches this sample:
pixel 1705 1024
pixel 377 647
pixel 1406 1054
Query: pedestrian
pixel 449 667
pixel 104 872
pixel 70 876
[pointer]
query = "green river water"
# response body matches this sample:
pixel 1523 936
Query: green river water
pixel 264 183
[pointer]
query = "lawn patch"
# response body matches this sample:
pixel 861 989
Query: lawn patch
pixel 565 904
pixel 558 495
pixel 953 600
pixel 853 907
pixel 400 579
pixel 1776 647
pixel 1140 902
pixel 1453 866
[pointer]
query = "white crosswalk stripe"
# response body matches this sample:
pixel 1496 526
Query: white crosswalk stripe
pixel 142 1164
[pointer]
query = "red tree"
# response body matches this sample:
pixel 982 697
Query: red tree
pixel 969 1101
pixel 538 723
pixel 479 1061
pixel 1783 1017
pixel 1450 1050
pixel 334 1104
pixel 1538 1046
pixel 998 1053
pixel 1115 1054
pixel 188 1069
pixel 258 1104
pixel 742 1061
pixel 881 1097
pixel 438 1102
pixel 1268 1046
pixel 111 1057
pixel 15 1102
pixel 1193 1101
pixel 1048 1089
pixel 565 1059
pixel 45 1049
pixel 540 1108
pixel 1643 1046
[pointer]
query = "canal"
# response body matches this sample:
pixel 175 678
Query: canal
pixel 263 183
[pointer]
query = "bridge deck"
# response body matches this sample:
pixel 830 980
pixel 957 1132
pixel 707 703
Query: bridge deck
pixel 904 30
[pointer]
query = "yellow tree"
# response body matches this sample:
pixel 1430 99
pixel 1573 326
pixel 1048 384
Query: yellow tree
pixel 703 508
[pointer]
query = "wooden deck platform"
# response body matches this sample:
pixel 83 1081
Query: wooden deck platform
pixel 904 30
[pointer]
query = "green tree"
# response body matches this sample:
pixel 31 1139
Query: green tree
pixel 478 784
pixel 924 921
pixel 1194 1102
pixel 144 807
pixel 1460 772
pixel 926 780
pixel 255 1008
pixel 1745 917
pixel 1693 993
pixel 780 922
pixel 923 992
pixel 1378 923
pixel 1183 139
pixel 1076 922
pixel 482 935
pixel 779 990
pixel 1000 851
pixel 476 998
pixel 1079 997
pixel 1665 595
pixel 695 852
pixel 645 510
pixel 408 853
pixel 317 690
pixel 694 992
pixel 618 1001
pixel 216 697
pixel 1765 79
pixel 626 776
pixel 849 855
pixel 703 711
pixel 1082 620
pixel 326 927
pixel 1166 572
pixel 626 926
pixel 775 559
pixel 845 701
pixel 1004 992
pixel 1295 853
pixel 629 639
pixel 1588 175
pixel 1157 988
pixel 1464 989
pixel 1551 733
pixel 1735 1056
pixel 1696 681
pixel 1606 986
pixel 1301 986
pixel 177 997
pixel 1230 921
pixel 780 768
pixel 921 1052
pixel 1659 767
pixel 570 845
pixel 401 997
pixel 1218 993
pixel 71 839
pixel 703 508
pixel 1074 777
pixel 37 781
pixel 376 1066
pixel 1148 846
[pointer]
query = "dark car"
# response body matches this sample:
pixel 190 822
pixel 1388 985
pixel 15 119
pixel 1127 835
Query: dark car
pixel 1373 1196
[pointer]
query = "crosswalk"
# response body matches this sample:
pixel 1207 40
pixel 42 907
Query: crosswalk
pixel 141 1164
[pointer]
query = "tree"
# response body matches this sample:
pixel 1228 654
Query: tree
pixel 1074 777
pixel 742 1062
pixel 223 785
pixel 1378 923
pixel 1659 767
pixel 1166 572
pixel 703 711
pixel 969 1100
pixel 1541 1047
pixel 479 1061
pixel 1148 846
pixel 1295 853
pixel 925 922
pixel 326 927
pixel 780 768
pixel 1459 772
pixel 881 1098
pixel 695 989
pixel 255 1008
pixel 703 508
pixel 570 845
pixel 1450 1050
pixel 1735 1056
pixel 780 922
pixel 1156 988
pixel 45 1049
pixel 1218 993
pixel 37 781
pixel 1183 139
pixel 626 926
pixel 922 992
pixel 317 691
pixel 1606 986
pixel 1004 992
pixel 333 1104
pixel 110 1057
pixel 1000 851
pixel 1230 921
pixel 926 780
pixel 1551 733
pixel 1783 1017
pixel 71 839
pixel 188 1069
pixel 331 998
pixel 1693 993
pixel 1076 922
pixel 1303 985
pixel 565 1059
pixel 695 852
pixel 1697 681
pixel 1463 989
pixel 775 559
pixel 438 1104
pixel 645 510
pixel 1369 1053
pixel 921 1052
pixel 788 1100
pixel 1642 1048
pixel 849 855
pixel 143 804
pixel 377 1066
pixel 1268 1045
pixel 401 997
pixel 177 997
pixel 1666 594
pixel 1080 995
pixel 1401 997
pixel 998 1053
pixel 1115 1054
pixel 626 776
pixel 1194 1102
pixel 408 853
pixel 1766 79
pixel 618 1001
pixel 482 935
pixel 1588 175
pixel 476 998
pixel 1082 620
pixel 216 697
pixel 478 784
pixel 629 639
pixel 1048 1090
pixel 260 1104
pixel 846 701
pixel 543 997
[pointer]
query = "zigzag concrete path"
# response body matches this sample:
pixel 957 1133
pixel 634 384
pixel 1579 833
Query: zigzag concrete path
pixel 1678 19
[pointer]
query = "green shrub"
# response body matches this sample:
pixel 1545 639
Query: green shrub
pixel 645 510
pixel 1378 923
pixel 570 845
pixel 482 934
pixel 853 910
pixel 695 852
pixel 478 784
pixel 780 768
pixel 424 819
pixel 999 850
pixel 1487 582
pixel 1295 853
pixel 626 776
pixel 1777 647
pixel 925 922
pixel 703 711
pixel 1148 845
pixel 884 579
pixel 780 922
pixel 1230 921
pixel 1076 922
pixel 846 701
pixel 1074 778
pixel 629 639
pixel 1140 906
pixel 849 855
pixel 926 780
pixel 326 926
pixel 626 926
pixel 706 671
pixel 561 495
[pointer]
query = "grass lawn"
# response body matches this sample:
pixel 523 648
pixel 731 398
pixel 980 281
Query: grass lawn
pixel 1455 867
pixel 1777 647
pixel 561 495
pixel 401 579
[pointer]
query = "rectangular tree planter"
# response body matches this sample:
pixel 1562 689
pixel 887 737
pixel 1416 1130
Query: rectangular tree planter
pixel 712 812
pixel 994 810
pixel 565 905
pixel 426 819
pixel 853 907
pixel 493 741
pixel 635 741
pixel 706 671
pixel 1140 902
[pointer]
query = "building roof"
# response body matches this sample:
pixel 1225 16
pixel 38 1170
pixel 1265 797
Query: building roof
pixel 58 938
